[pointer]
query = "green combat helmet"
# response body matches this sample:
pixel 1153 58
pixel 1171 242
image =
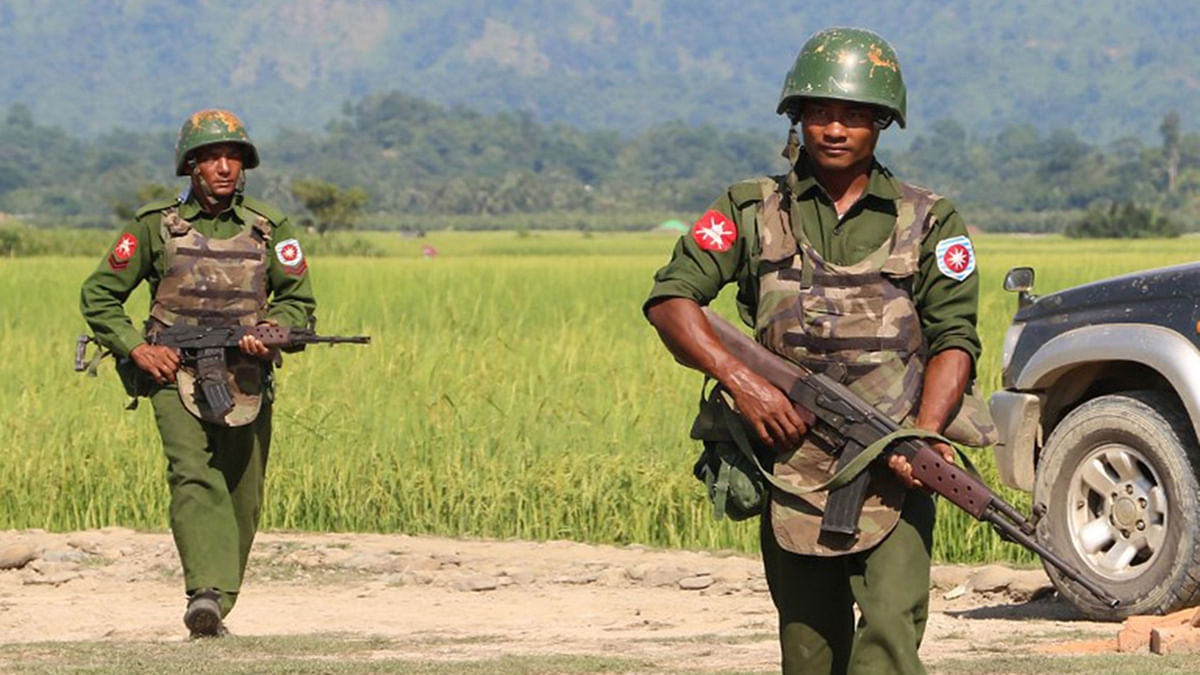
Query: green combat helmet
pixel 209 127
pixel 848 64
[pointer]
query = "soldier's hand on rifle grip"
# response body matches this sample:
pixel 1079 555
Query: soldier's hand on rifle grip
pixel 253 346
pixel 903 469
pixel 160 361
pixel 777 421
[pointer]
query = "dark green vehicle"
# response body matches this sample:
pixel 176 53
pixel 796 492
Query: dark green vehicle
pixel 1098 419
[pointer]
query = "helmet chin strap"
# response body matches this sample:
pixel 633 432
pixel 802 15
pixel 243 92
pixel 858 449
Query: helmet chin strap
pixel 791 152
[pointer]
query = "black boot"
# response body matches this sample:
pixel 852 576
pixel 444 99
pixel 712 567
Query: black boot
pixel 203 615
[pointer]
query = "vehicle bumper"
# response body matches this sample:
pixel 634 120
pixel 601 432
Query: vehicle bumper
pixel 1017 418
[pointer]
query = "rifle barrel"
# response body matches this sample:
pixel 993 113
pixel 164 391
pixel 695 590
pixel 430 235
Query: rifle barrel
pixel 1015 533
pixel 355 339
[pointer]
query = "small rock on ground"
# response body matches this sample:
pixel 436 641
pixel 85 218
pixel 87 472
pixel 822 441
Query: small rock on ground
pixel 16 556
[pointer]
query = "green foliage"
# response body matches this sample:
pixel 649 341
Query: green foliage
pixel 421 166
pixel 340 244
pixel 1100 69
pixel 126 209
pixel 512 389
pixel 20 240
pixel 1123 221
pixel 333 208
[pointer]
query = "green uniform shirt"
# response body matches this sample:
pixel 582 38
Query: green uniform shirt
pixel 948 308
pixel 102 299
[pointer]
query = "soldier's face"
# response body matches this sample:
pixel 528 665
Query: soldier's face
pixel 220 166
pixel 838 135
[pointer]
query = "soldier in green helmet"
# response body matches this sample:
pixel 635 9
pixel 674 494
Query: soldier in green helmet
pixel 845 270
pixel 212 256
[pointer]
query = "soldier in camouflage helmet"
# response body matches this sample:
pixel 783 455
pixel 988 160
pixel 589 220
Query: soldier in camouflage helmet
pixel 845 270
pixel 212 256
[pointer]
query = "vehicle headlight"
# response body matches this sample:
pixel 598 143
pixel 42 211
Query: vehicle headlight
pixel 1010 343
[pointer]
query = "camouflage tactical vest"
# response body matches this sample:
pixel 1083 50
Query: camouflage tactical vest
pixel 215 282
pixel 856 323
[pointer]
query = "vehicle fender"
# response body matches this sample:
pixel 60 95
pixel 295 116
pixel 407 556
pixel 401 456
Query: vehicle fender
pixel 1162 349
pixel 1017 416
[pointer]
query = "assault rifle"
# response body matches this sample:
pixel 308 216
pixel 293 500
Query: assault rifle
pixel 848 423
pixel 204 347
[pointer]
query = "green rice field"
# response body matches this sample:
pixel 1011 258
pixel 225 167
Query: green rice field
pixel 512 389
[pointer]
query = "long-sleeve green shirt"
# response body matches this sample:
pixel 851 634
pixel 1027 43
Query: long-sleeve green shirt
pixel 947 307
pixel 102 298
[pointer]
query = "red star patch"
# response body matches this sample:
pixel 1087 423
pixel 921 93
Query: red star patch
pixel 714 232
pixel 123 251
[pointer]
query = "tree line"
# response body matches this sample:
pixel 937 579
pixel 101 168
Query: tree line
pixel 391 159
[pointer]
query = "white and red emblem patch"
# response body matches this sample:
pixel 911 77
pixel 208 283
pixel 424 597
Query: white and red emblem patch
pixel 714 232
pixel 955 257
pixel 123 251
pixel 290 256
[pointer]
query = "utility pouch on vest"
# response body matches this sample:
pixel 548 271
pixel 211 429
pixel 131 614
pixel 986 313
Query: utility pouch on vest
pixel 733 482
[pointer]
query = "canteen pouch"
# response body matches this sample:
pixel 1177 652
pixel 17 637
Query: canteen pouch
pixel 134 380
pixel 734 485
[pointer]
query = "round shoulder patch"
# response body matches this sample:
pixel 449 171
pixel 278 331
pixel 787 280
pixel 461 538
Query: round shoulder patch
pixel 955 257
pixel 714 232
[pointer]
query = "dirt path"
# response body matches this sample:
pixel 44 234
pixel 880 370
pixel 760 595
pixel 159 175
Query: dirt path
pixel 441 598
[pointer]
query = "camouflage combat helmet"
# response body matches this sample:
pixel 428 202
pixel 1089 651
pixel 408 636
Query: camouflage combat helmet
pixel 209 127
pixel 849 64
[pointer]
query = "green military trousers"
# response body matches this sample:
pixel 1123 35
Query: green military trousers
pixel 215 474
pixel 815 598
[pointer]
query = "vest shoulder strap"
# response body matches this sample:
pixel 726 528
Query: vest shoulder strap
pixel 173 225
pixel 913 222
pixel 914 207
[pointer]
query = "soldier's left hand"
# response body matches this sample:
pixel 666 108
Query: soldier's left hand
pixel 903 469
pixel 255 347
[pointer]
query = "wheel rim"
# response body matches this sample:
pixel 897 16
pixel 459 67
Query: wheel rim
pixel 1117 512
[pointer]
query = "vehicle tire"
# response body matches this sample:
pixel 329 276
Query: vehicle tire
pixel 1117 482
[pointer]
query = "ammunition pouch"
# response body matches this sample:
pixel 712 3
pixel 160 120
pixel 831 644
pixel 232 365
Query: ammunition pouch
pixel 733 481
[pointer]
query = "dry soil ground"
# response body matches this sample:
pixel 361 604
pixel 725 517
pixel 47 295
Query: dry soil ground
pixel 111 600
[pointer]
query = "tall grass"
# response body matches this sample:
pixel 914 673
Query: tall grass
pixel 512 389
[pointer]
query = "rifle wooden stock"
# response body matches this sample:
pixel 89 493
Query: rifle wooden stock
pixel 843 415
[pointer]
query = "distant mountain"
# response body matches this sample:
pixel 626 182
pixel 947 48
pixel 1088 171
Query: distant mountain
pixel 1104 68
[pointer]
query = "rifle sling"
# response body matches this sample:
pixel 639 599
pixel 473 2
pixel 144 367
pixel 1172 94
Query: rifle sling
pixel 843 475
